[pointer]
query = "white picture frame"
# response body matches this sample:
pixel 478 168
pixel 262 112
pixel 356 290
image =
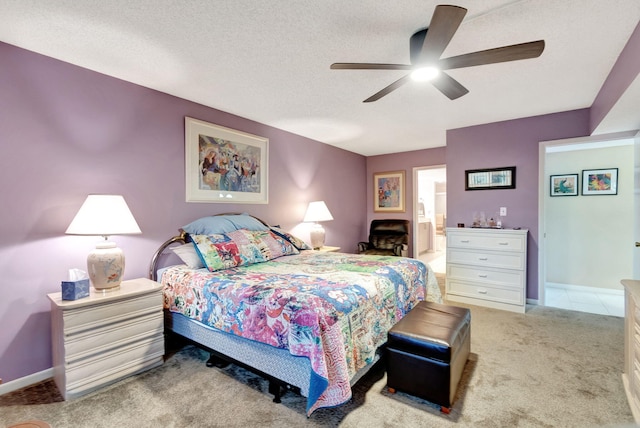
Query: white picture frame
pixel 223 165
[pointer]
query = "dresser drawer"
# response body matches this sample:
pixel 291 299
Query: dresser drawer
pixel 501 241
pixel 507 260
pixel 98 341
pixel 509 278
pixel 92 317
pixel 481 291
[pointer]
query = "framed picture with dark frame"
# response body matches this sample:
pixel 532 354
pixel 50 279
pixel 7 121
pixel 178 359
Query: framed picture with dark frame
pixel 224 165
pixel 564 185
pixel 493 178
pixel 388 189
pixel 600 181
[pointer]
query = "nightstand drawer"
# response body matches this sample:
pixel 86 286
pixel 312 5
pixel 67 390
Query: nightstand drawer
pixel 115 364
pixel 496 294
pixel 98 341
pixel 486 241
pixel 509 278
pixel 102 314
pixel 508 260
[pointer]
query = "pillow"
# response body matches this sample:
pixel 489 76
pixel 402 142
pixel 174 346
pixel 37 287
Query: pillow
pixel 261 246
pixel 240 247
pixel 295 241
pixel 245 221
pixel 188 255
pixel 223 224
pixel 216 251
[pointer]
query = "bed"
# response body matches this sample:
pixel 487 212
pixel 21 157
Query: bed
pixel 258 296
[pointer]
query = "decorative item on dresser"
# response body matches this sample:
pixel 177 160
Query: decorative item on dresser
pixel 104 215
pixel 631 375
pixel 487 267
pixel 106 337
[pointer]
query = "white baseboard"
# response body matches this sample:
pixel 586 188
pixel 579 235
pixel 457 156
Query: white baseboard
pixel 25 381
pixel 585 288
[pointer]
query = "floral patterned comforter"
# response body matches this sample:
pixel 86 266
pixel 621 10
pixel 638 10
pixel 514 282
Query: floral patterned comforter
pixel 332 308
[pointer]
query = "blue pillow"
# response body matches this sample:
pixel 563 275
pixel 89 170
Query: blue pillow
pixel 245 221
pixel 212 225
pixel 209 226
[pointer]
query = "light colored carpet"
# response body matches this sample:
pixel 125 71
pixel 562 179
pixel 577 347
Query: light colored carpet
pixel 546 368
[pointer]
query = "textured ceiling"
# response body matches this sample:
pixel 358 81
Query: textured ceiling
pixel 269 60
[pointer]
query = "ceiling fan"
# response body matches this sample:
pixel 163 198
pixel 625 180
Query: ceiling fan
pixel 427 45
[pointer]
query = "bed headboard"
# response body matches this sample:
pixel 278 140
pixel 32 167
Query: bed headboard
pixel 182 238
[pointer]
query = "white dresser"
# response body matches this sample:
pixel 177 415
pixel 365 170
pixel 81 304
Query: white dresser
pixel 487 267
pixel 631 375
pixel 107 336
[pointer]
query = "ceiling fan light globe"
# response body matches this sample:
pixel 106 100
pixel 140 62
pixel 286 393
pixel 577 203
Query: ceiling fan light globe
pixel 425 74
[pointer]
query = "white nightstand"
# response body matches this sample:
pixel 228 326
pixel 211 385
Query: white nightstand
pixel 329 249
pixel 100 339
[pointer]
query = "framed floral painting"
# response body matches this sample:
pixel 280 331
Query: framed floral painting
pixel 600 181
pixel 388 188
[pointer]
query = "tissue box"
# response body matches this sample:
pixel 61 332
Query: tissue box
pixel 73 290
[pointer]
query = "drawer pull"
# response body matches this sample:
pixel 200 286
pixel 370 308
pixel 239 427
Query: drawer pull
pixel 482 291
pixel 483 258
pixel 482 275
pixel 503 243
pixel 464 241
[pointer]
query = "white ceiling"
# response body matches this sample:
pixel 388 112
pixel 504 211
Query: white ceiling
pixel 269 60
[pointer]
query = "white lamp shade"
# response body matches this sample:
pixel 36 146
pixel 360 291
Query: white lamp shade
pixel 317 211
pixel 103 215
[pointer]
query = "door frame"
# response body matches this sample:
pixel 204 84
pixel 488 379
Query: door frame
pixel 414 212
pixel 543 189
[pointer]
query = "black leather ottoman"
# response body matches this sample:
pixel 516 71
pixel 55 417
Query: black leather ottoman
pixel 427 351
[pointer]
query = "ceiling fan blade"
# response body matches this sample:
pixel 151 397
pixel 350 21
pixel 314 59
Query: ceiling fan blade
pixel 449 86
pixel 492 56
pixel 368 66
pixel 444 23
pixel 392 87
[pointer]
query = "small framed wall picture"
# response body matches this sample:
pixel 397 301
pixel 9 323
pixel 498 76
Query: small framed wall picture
pixel 600 181
pixel 564 185
pixel 493 178
pixel 388 188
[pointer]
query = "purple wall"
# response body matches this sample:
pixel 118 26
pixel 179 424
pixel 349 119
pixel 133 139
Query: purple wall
pixel 623 73
pixel 500 144
pixel 404 161
pixel 66 132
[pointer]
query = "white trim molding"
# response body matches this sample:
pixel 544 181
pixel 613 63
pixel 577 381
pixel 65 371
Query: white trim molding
pixel 25 381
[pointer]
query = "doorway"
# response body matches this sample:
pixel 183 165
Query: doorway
pixel 430 215
pixel 584 251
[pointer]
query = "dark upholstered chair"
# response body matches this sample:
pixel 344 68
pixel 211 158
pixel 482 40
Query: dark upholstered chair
pixel 387 238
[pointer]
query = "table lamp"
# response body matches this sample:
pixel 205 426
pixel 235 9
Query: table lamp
pixel 104 215
pixel 317 211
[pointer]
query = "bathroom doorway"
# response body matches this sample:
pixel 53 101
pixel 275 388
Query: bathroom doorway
pixel 430 215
